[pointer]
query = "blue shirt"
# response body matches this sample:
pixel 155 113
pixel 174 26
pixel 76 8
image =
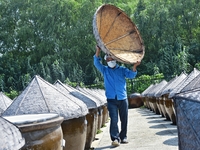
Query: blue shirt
pixel 114 79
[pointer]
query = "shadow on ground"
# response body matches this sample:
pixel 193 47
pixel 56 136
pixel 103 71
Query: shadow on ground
pixel 172 141
pixel 105 147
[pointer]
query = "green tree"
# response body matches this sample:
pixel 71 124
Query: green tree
pixel 54 39
pixel 169 30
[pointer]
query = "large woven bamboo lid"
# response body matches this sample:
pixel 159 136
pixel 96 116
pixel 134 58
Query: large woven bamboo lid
pixel 117 35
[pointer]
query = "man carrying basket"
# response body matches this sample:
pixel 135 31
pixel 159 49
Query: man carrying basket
pixel 115 87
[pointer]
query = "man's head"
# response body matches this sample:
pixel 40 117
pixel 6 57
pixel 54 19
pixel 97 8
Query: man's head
pixel 110 61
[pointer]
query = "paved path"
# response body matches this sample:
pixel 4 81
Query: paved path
pixel 146 131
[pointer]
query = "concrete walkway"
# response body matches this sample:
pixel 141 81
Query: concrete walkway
pixel 146 131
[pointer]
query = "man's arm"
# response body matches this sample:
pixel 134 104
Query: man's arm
pixel 97 60
pixel 130 74
pixel 98 50
pixel 135 66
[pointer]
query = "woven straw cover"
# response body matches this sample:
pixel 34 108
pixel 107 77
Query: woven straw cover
pixel 78 96
pixel 41 96
pixel 5 102
pixel 188 120
pixel 117 35
pixel 10 135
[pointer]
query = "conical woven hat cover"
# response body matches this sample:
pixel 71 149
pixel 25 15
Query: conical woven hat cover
pixel 117 35
pixel 41 96
pixel 11 137
pixel 5 102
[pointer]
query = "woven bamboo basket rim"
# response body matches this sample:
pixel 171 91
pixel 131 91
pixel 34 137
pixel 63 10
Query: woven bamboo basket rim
pixel 117 35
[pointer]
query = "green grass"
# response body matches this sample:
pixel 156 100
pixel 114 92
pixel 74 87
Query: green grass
pixel 99 131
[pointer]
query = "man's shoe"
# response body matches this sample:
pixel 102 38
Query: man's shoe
pixel 124 141
pixel 115 143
